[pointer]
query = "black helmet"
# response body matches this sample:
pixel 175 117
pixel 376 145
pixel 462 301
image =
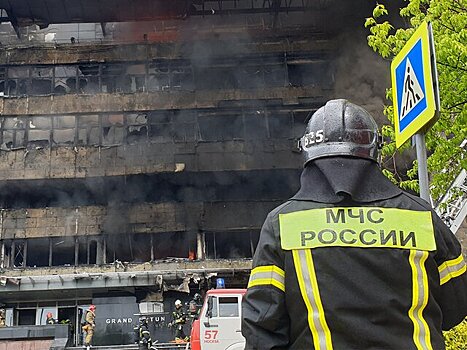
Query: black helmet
pixel 340 128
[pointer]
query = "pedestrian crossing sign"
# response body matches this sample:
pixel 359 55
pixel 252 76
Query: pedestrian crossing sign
pixel 412 86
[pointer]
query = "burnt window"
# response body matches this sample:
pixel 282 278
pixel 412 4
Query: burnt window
pixel 280 124
pixel 88 130
pixel 41 80
pixel 255 125
pixel 64 128
pixel 38 255
pixel 26 317
pixel 220 127
pixel 113 129
pixel 231 245
pixel 14 132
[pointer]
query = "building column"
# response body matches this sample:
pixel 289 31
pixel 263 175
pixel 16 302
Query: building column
pixel 50 251
pixel 12 253
pixel 25 252
pixel 201 245
pixel 2 255
pixel 99 251
pixel 76 251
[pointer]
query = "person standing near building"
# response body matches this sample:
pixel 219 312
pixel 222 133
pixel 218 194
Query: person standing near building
pixel 178 321
pixel 89 325
pixel 50 319
pixel 2 318
pixel 352 261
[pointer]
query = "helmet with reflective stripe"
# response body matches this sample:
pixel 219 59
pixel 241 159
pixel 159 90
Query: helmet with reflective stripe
pixel 340 128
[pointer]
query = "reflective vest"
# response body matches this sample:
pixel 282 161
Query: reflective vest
pixel 382 275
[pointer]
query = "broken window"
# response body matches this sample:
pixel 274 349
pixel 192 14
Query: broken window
pixel 63 251
pixel 280 124
pixel 220 126
pixel 64 128
pixel 181 75
pixel 113 79
pixel 39 256
pixel 158 76
pixel 18 80
pixel 3 81
pixel 255 124
pixel 39 130
pixel 309 72
pixel 88 130
pixel 41 80
pixel 184 125
pixel 209 78
pixel 137 127
pixel 136 74
pixel 65 79
pixel 160 126
pixel 18 253
pixel 176 244
pixel 14 132
pixel 231 245
pixel 113 129
pixel 89 79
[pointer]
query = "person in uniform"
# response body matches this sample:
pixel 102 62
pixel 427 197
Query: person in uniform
pixel 89 325
pixel 351 261
pixel 178 321
pixel 50 319
pixel 2 318
pixel 194 307
pixel 144 335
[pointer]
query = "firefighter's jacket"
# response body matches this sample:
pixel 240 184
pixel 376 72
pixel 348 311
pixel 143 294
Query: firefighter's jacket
pixel 90 318
pixel 353 264
pixel 179 316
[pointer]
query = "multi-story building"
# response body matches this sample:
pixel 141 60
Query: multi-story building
pixel 138 160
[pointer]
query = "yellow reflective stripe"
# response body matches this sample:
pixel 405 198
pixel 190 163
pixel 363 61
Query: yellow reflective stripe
pixel 421 333
pixel 267 275
pixel 269 268
pixel 304 268
pixel 266 282
pixel 451 268
pixel 363 227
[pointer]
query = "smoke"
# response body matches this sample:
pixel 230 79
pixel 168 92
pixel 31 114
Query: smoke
pixel 361 76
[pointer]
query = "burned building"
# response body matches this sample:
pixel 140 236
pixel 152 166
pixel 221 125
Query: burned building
pixel 138 160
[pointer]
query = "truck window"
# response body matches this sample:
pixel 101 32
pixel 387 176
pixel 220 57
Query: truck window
pixel 228 307
pixel 212 307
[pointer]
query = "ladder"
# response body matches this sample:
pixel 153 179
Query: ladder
pixel 456 209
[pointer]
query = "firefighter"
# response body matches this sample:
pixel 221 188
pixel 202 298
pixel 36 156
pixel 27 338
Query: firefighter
pixel 194 307
pixel 178 321
pixel 50 319
pixel 89 325
pixel 352 261
pixel 2 318
pixel 144 336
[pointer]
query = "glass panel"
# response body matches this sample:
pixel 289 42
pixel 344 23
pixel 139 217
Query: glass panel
pixel 41 315
pixel 228 307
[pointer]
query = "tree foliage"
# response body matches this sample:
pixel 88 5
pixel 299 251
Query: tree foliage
pixel 449 22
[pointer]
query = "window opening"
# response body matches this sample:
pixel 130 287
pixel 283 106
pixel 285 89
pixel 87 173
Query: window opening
pixel 228 307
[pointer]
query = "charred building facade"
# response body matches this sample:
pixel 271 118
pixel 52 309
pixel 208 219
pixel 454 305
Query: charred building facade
pixel 138 160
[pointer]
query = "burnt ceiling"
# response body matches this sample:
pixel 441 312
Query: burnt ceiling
pixel 44 12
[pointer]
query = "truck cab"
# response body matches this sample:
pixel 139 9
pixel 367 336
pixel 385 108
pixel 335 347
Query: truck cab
pixel 219 324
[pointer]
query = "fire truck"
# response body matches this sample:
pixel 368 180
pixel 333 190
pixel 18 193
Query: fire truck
pixel 219 324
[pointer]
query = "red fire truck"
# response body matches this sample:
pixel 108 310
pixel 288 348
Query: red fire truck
pixel 219 322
